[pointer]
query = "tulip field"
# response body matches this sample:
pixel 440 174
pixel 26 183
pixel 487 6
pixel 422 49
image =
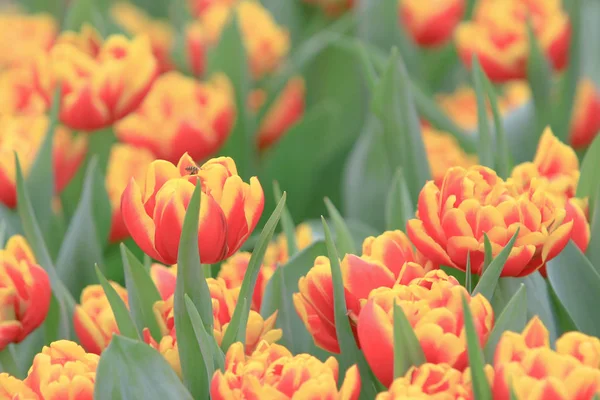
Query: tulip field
pixel 299 199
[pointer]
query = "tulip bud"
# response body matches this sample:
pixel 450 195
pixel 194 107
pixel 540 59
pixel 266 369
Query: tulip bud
pixel 429 23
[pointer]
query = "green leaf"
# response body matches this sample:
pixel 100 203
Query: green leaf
pixel 81 12
pixel 83 246
pixel 35 239
pixel 593 250
pixel 54 7
pixel 229 57
pixel 120 376
pixel 8 363
pixel 468 274
pixel 399 207
pixel 237 325
pixel 539 74
pixel 486 142
pixel 577 285
pixel 588 185
pixel 287 223
pixel 512 318
pixel 519 125
pixel 206 341
pixel 481 386
pixel 141 292
pixel 503 160
pixel 488 281
pixel 488 256
pixel 191 281
pixel 393 104
pixel 119 309
pixel 343 237
pixel 407 349
pixel 349 351
pixel 564 322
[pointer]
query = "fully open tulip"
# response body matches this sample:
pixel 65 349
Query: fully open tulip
pixel 386 260
pixel 124 162
pixel 585 124
pixel 525 364
pixel 63 370
pixel 452 220
pixel 101 81
pixel 12 388
pixel 272 372
pixel 431 23
pixel 94 320
pixel 180 114
pixel 25 135
pixel 434 309
pixel 136 22
pixel 433 381
pixel 497 35
pixel 24 292
pixel 229 211
pixel 23 36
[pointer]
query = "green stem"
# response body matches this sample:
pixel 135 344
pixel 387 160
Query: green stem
pixel 207 268
pixel 8 363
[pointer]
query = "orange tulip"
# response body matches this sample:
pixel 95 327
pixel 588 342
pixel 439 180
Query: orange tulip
pixel 452 220
pixel 25 292
pixel 444 152
pixel 229 211
pixel 12 388
pixel 94 320
pixel 433 381
pixel 136 22
pixel 497 35
pixel 25 135
pixel 63 370
pixel 234 269
pixel 283 114
pixel 165 279
pixel 434 309
pixel 180 114
pixel 386 260
pixel 23 36
pixel 333 7
pixel 101 82
pixel 125 162
pixel 272 372
pixel 586 115
pixel 430 23
pixel 526 364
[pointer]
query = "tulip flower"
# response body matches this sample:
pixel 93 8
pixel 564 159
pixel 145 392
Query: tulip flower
pixel 124 162
pixel 196 46
pixel 23 36
pixel 198 7
pixel 180 114
pixel 429 23
pixel 333 7
pixel 229 211
pixel 273 372
pixel 433 308
pixel 452 220
pixel 165 279
pixel 234 269
pixel 502 47
pixel 63 370
pixel 386 260
pixel 444 152
pixel 94 320
pixel 433 381
pixel 586 115
pixel 555 168
pixel 12 388
pixel 525 364
pixel 25 135
pixel 101 82
pixel 266 43
pixel 136 22
pixel 26 89
pixel 25 292
pixel 283 114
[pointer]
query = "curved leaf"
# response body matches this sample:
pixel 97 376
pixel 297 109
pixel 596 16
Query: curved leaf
pixel 512 318
pixel 481 386
pixel 343 237
pixel 407 349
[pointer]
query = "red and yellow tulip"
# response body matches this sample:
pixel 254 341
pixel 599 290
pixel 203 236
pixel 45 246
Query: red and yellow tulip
pixel 386 260
pixel 24 134
pixel 24 292
pixel 63 370
pixel 198 7
pixel 125 162
pixel 182 115
pixel 585 124
pixel 272 372
pixel 453 218
pixel 165 279
pixel 101 82
pixel 12 388
pixel 497 35
pixel 525 364
pixel 23 36
pixel 433 307
pixel 93 320
pixel 431 23
pixel 229 211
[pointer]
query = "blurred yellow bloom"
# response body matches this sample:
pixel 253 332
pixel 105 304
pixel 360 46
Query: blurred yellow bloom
pixel 23 36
